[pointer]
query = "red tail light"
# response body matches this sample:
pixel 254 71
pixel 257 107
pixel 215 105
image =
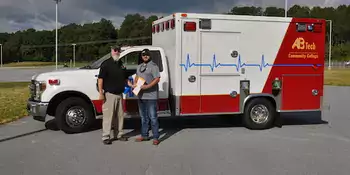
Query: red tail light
pixel 317 28
pixel 190 26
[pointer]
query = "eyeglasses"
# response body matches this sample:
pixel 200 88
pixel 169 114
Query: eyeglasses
pixel 145 54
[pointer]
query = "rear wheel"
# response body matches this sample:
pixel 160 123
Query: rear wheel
pixel 74 115
pixel 259 113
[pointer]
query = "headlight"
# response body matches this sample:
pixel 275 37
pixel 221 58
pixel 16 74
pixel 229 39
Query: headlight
pixel 39 89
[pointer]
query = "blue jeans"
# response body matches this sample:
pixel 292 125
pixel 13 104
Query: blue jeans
pixel 148 111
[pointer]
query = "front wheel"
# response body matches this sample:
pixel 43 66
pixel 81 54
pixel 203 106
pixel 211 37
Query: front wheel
pixel 74 115
pixel 259 113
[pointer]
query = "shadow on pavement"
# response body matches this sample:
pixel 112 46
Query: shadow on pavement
pixel 170 126
pixel 303 118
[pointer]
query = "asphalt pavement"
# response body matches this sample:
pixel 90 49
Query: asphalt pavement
pixel 21 74
pixel 305 145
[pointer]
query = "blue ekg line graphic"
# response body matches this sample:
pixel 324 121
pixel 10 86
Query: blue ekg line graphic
pixel 239 64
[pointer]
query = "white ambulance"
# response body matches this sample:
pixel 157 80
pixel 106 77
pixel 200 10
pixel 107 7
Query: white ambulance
pixel 210 64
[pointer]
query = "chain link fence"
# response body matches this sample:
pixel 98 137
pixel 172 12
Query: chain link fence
pixel 338 64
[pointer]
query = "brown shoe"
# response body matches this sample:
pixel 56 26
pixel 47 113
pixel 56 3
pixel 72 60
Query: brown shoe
pixel 141 139
pixel 124 139
pixel 155 142
pixel 107 141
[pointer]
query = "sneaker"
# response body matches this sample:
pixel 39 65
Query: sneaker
pixel 155 142
pixel 141 139
pixel 123 139
pixel 107 141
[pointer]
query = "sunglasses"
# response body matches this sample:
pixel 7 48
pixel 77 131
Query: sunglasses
pixel 143 68
pixel 145 54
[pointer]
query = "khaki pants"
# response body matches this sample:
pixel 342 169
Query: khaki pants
pixel 113 115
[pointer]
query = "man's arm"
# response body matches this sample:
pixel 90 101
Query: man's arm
pixel 100 86
pixel 101 76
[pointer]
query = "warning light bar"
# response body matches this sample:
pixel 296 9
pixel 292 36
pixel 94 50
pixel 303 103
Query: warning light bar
pixel 172 23
pixel 162 26
pixel 302 27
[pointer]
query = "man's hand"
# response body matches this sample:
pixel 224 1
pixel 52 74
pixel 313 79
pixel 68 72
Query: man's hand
pixel 102 96
pixel 131 85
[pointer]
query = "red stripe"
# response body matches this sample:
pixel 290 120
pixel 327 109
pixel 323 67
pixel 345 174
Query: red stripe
pixel 131 105
pixel 209 104
pixel 98 105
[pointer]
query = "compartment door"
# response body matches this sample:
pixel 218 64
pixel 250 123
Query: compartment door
pixel 190 81
pixel 220 72
pixel 301 92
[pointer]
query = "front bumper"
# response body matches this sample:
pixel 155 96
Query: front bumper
pixel 37 110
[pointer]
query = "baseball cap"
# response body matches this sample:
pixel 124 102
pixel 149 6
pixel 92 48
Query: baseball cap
pixel 115 48
pixel 145 52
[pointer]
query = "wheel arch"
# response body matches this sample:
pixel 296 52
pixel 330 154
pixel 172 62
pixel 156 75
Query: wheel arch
pixel 58 98
pixel 269 97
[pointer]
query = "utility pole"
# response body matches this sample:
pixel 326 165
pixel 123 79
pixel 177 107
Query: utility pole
pixel 1 53
pixel 74 54
pixel 285 8
pixel 330 45
pixel 57 1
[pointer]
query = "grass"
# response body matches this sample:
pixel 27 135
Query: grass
pixel 41 64
pixel 13 101
pixel 337 77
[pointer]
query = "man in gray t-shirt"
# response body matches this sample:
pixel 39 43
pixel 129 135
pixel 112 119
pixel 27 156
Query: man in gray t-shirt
pixel 148 96
pixel 148 71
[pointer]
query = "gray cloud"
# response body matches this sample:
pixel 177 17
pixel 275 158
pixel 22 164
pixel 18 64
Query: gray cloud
pixel 40 14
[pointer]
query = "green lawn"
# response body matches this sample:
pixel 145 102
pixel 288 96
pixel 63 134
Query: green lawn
pixel 13 101
pixel 337 77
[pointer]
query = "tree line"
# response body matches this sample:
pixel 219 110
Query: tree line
pixel 93 39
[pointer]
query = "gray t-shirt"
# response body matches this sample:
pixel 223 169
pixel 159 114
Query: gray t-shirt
pixel 151 72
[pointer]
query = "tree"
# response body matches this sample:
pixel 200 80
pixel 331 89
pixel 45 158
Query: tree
pixel 15 45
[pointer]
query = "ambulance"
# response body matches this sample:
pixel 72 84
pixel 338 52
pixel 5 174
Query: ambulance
pixel 210 64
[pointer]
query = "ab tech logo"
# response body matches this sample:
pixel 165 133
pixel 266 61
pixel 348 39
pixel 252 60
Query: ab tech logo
pixel 301 44
pixel 303 49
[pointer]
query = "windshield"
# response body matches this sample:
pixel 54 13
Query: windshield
pixel 96 64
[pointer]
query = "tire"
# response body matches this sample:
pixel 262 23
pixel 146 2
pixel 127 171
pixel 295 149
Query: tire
pixel 251 122
pixel 70 106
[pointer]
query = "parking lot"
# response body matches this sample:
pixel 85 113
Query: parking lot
pixel 22 74
pixel 306 144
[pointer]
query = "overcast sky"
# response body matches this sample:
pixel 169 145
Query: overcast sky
pixel 40 14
